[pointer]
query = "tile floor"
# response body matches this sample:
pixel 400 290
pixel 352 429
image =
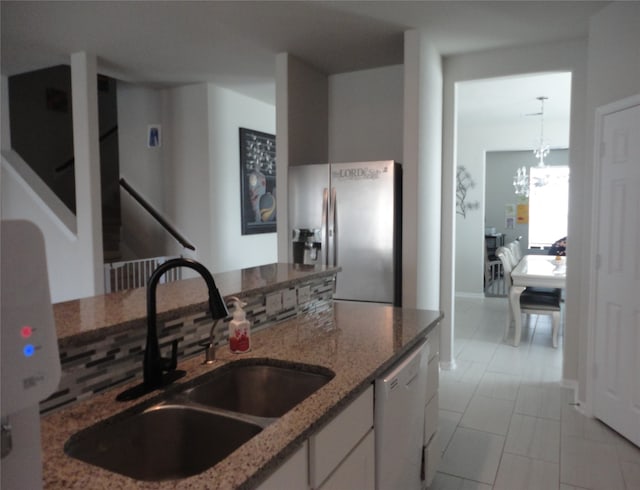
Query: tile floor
pixel 507 423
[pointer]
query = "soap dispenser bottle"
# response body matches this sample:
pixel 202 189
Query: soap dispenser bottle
pixel 239 329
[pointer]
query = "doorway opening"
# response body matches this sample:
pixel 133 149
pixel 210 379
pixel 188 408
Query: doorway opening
pixel 498 128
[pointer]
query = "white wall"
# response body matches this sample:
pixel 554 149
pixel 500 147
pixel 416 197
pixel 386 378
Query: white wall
pixel 186 164
pixel 201 160
pixel 613 74
pixel 365 115
pixel 142 168
pixel 20 201
pixel 229 111
pixel 301 128
pixel 86 150
pixel 567 56
pixel 74 251
pixel 307 92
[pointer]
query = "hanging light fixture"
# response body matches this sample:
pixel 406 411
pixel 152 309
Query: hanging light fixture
pixel 542 149
pixel 521 182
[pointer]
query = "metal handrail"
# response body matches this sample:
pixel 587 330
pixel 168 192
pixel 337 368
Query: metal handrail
pixel 151 210
pixel 70 163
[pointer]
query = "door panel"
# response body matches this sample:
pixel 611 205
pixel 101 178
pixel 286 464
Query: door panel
pixel 617 320
pixel 364 230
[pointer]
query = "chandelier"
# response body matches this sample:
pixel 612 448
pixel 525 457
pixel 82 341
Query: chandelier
pixel 542 149
pixel 521 182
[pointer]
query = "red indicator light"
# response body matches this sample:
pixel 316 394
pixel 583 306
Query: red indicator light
pixel 26 332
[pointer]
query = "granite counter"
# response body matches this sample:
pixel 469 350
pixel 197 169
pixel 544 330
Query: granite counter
pixel 356 341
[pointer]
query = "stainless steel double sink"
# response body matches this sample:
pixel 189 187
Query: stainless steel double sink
pixel 192 428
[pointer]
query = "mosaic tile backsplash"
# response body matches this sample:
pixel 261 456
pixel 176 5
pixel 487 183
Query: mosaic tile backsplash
pixel 117 359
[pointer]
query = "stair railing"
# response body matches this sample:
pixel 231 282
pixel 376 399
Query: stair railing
pixel 130 274
pixel 157 216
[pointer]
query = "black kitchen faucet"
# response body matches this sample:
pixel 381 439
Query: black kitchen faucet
pixel 159 371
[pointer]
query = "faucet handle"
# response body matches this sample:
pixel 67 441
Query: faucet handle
pixel 171 363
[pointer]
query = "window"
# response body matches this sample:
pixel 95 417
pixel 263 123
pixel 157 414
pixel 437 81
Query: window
pixel 548 205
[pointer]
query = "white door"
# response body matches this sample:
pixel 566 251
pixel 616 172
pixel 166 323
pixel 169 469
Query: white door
pixel 617 319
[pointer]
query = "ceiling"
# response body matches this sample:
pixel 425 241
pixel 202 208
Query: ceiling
pixel 233 43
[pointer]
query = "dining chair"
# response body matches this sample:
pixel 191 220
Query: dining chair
pixel 533 301
pixel 516 250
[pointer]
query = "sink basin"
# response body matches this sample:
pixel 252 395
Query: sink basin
pixel 194 428
pixel 262 390
pixel 163 442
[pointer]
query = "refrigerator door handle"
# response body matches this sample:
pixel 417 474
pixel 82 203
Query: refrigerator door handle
pixel 332 229
pixel 323 229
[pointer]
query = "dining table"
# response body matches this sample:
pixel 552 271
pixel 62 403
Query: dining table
pixel 548 271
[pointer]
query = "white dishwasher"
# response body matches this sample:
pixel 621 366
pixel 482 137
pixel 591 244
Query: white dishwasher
pixel 400 397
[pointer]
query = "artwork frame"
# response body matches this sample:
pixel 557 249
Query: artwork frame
pixel 257 182
pixel 154 136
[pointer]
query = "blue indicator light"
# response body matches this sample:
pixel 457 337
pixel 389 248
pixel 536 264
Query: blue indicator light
pixel 28 350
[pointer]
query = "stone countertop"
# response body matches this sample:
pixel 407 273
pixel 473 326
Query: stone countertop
pixel 83 320
pixel 357 341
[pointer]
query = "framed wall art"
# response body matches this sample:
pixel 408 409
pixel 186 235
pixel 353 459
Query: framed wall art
pixel 257 182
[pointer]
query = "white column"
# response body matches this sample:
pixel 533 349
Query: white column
pixel 84 89
pixel 282 154
pixel 425 270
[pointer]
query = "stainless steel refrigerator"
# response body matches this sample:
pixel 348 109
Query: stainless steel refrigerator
pixel 350 215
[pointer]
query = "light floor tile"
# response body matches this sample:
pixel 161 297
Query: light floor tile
pixel 473 455
pixel 465 372
pixel 519 472
pixel 534 437
pixel 590 464
pixel 541 373
pixel 545 355
pixel 539 400
pixel 478 351
pixel 491 330
pixel 488 414
pixel 592 457
pixel 509 360
pixel 455 396
pixel 448 482
pixel 499 385
pixel 576 424
pixel 447 423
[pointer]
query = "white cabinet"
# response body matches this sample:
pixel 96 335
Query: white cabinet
pixel 431 409
pixel 341 455
pixel 292 475
pixel 357 471
pixel 339 439
pixel 431 453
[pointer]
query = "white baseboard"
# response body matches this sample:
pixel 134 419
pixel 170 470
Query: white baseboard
pixel 448 366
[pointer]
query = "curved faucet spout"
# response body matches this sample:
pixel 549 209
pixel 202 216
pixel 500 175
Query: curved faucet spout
pixel 155 365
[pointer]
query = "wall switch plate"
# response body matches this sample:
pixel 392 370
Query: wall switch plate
pixel 304 294
pixel 274 303
pixel 288 299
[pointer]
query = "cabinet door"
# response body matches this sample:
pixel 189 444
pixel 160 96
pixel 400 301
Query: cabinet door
pixel 335 441
pixel 357 471
pixel 292 475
